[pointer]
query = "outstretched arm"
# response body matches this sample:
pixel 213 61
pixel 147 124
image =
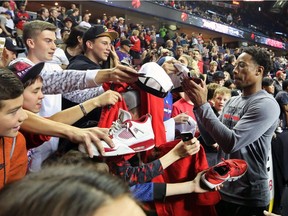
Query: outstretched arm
pixel 73 114
pixel 145 173
pixel 89 136
pixel 182 149
pixel 70 80
pixel 152 191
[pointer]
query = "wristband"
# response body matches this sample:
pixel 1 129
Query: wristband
pixel 83 109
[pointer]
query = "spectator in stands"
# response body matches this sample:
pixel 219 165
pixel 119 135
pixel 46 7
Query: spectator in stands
pixel 147 38
pixel 122 27
pixel 194 41
pixel 268 85
pixel 177 42
pixel 68 23
pixel 62 13
pixel 75 16
pixel 213 52
pixel 13 5
pixel 143 44
pixel 278 80
pixel 153 36
pixel 200 40
pixel 6 7
pixel 73 45
pixel 184 39
pixel 85 21
pixel 229 84
pixel 21 17
pixel 229 66
pixel 104 19
pixel 187 61
pixel 43 14
pixel 218 77
pixel 53 18
pixel 64 35
pixel 185 48
pixel 70 10
pixel 276 64
pixel 220 61
pixel 169 46
pixel 237 52
pixel 123 52
pixel 164 52
pixel 4 19
pixel 227 53
pixel 163 31
pixel 198 58
pixel 251 119
pixel 136 48
pixel 282 99
pixel 10 51
pixel 229 19
pixel 238 20
pixel 226 75
pixel 151 53
pixel 220 97
pixel 179 52
pixel 212 69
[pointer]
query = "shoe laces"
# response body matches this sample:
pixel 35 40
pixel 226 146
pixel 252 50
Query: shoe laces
pixel 116 126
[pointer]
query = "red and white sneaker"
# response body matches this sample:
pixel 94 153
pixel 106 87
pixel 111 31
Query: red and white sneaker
pixel 128 136
pixel 227 170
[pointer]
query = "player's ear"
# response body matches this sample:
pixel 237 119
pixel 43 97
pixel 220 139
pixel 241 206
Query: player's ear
pixel 260 70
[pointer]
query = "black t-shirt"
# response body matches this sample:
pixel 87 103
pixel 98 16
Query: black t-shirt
pixel 81 62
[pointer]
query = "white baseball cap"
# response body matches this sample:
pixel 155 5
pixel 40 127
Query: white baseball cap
pixel 154 80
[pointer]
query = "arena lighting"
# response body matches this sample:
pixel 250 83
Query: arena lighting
pixel 278 6
pixel 211 12
pixel 235 2
pixel 279 33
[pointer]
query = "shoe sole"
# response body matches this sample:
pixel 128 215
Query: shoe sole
pixel 122 149
pixel 212 186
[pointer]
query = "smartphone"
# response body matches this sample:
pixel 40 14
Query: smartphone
pixel 186 136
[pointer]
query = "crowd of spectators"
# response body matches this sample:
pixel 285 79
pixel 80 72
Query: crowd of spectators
pixel 119 49
pixel 245 17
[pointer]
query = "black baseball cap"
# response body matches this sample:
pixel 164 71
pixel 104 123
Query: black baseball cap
pixel 126 42
pixel 11 45
pixel 67 19
pixel 99 31
pixel 218 75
